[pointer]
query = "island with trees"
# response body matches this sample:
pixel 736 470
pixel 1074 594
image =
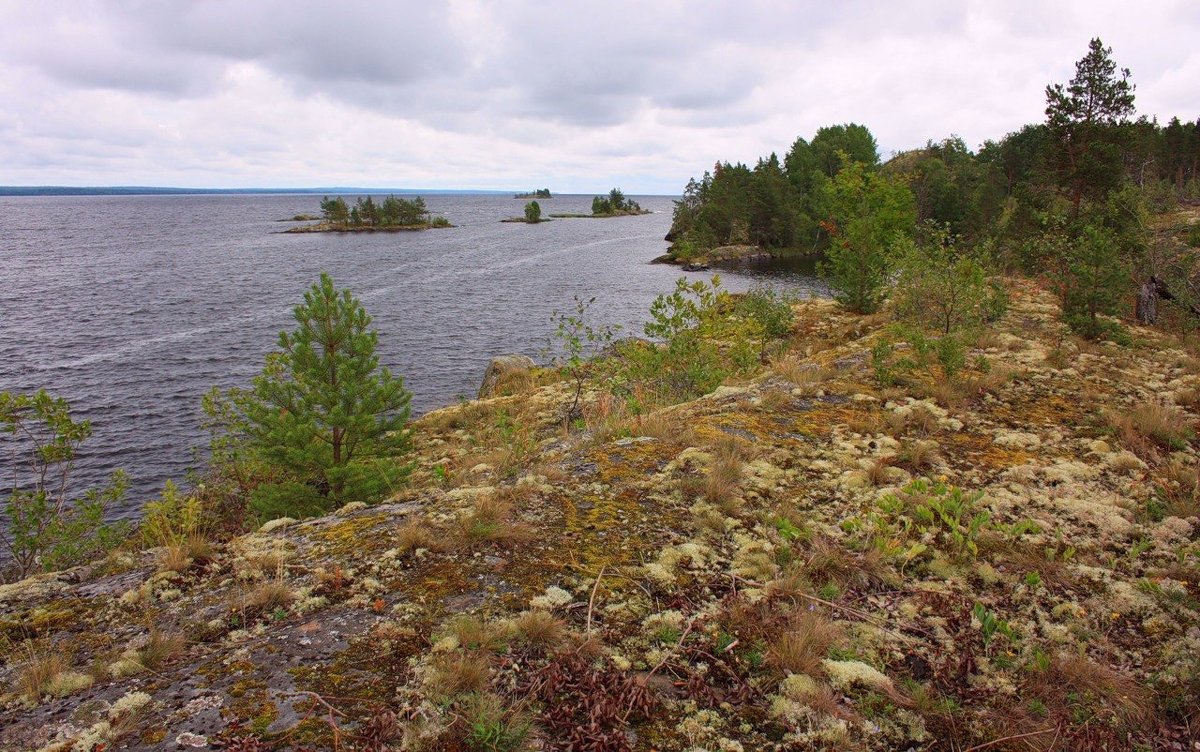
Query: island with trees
pixel 367 215
pixel 542 193
pixel 533 215
pixel 615 204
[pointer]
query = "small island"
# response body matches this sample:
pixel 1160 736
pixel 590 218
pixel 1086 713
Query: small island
pixel 390 215
pixel 533 215
pixel 542 193
pixel 613 205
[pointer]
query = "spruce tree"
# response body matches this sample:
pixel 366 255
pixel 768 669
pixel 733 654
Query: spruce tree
pixel 324 413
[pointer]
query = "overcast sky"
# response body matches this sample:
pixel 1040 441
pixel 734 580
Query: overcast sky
pixel 571 95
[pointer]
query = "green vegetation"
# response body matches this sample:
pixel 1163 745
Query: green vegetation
pixel 1067 200
pixel 366 214
pixel 324 423
pixel 614 204
pixel 48 527
pixel 539 193
pixel 866 213
pixel 533 212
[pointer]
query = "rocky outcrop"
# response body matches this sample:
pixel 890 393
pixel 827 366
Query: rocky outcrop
pixel 503 370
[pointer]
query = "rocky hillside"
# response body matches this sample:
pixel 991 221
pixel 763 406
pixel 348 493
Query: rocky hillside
pixel 1005 559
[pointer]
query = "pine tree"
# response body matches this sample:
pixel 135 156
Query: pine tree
pixel 324 413
pixel 1085 118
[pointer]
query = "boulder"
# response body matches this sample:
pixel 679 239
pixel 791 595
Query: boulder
pixel 501 371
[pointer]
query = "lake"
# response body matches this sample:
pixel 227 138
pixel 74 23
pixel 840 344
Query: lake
pixel 132 307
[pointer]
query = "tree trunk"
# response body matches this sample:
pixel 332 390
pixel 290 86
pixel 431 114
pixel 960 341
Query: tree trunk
pixel 1147 302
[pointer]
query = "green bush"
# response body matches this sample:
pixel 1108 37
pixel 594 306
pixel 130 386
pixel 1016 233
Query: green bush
pixel 942 286
pixel 49 528
pixel 685 363
pixel 769 314
pixel 533 212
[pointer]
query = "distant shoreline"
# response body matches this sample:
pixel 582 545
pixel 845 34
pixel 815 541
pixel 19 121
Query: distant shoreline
pixel 54 190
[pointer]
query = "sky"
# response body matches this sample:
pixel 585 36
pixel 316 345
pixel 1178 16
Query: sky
pixel 574 96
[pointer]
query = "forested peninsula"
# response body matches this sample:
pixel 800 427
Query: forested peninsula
pixel 954 507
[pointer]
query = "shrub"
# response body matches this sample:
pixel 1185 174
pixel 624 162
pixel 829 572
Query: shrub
pixel 533 212
pixel 769 314
pixel 48 528
pixel 578 345
pixel 942 286
pixel 685 364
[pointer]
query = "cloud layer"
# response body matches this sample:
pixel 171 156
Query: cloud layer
pixel 575 96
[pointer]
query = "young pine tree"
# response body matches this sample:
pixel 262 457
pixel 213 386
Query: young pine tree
pixel 324 413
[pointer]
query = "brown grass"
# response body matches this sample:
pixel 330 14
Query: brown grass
pixel 455 674
pixel 1097 684
pixel 474 633
pixel 1180 487
pixel 39 672
pixel 161 648
pixel 666 428
pixel 806 375
pixel 725 474
pixel 951 394
pixel 827 560
pixel 800 648
pixel 491 519
pixel 540 630
pixel 267 597
pixel 877 474
pixel 178 557
pixel 917 456
pixel 415 534
pixel 1189 398
pixel 774 399
pixel 866 422
pixel 1151 425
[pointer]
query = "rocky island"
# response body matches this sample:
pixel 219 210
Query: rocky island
pixel 390 215
pixel 615 204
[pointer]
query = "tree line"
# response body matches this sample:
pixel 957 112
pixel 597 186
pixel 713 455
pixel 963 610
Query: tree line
pixel 366 212
pixel 1067 198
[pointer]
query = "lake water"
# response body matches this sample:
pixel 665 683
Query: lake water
pixel 132 307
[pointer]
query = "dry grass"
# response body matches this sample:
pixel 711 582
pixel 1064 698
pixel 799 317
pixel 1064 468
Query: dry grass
pixel 1180 488
pixel 1189 398
pixel 878 473
pixel 800 648
pixel 491 520
pixel 828 560
pixel 806 375
pixel 455 674
pixel 540 630
pixel 866 422
pixel 474 633
pixel 918 456
pixel 267 597
pixel 161 648
pixel 773 400
pixel 951 394
pixel 178 557
pixel 417 534
pixel 721 482
pixel 1151 425
pixel 1109 692
pixel 666 428
pixel 919 421
pixel 39 672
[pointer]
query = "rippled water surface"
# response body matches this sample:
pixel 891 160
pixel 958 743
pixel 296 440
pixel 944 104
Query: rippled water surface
pixel 132 307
